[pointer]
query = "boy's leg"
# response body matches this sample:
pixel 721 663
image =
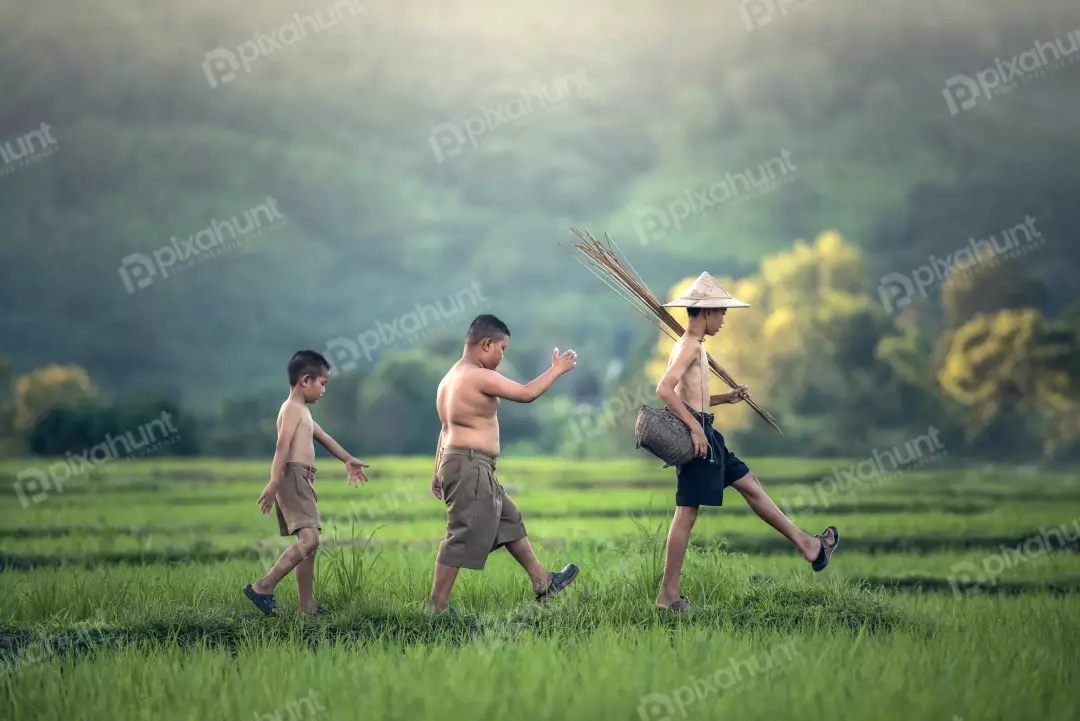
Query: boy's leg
pixel 439 600
pixel 306 545
pixel 305 584
pixel 677 541
pixel 763 506
pixel 522 552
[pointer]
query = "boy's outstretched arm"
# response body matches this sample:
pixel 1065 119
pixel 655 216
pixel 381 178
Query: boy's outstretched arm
pixel 495 384
pixel 354 465
pixel 290 421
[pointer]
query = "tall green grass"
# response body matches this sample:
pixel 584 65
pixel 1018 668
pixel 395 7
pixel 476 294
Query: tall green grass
pixel 176 639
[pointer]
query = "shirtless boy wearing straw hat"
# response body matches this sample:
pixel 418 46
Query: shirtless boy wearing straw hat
pixel 702 481
pixel 480 517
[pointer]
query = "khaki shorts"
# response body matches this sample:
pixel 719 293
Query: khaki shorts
pixel 296 500
pixel 480 517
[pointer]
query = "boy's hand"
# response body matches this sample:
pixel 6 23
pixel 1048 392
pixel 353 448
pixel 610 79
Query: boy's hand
pixel 701 443
pixel 436 487
pixel 356 468
pixel 565 362
pixel 266 500
pixel 739 393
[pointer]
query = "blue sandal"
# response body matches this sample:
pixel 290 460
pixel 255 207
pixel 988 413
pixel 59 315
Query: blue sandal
pixel 263 601
pixel 559 581
pixel 827 549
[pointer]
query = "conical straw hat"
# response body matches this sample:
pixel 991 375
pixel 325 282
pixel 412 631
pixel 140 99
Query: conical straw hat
pixel 706 293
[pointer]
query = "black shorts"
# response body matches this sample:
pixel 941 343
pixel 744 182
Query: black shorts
pixel 702 481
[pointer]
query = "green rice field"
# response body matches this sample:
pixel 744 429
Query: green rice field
pixel 953 595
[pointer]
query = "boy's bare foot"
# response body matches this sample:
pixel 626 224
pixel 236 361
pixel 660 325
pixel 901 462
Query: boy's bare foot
pixel 431 609
pixel 262 588
pixel 809 547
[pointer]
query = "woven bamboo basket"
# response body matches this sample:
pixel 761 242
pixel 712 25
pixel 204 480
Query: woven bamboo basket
pixel 663 434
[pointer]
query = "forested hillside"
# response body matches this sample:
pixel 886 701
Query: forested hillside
pixel 615 117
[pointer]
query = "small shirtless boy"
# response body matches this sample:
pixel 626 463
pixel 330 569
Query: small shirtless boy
pixel 480 516
pixel 292 483
pixel 702 481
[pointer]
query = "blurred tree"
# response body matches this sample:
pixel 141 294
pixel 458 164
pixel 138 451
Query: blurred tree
pixel 1072 316
pixel 990 284
pixel 50 387
pixel 184 436
pixel 337 411
pixel 146 426
pixel 396 410
pixel 1015 364
pixel 7 398
pixel 246 426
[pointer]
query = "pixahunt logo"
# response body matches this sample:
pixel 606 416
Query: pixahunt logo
pixel 866 474
pixel 768 663
pixel 896 289
pixel 654 223
pixel 220 66
pixel 26 149
pixel 408 328
pixel 757 13
pixel 138 271
pixel 974 579
pixel 588 422
pixel 963 92
pixel 447 140
pixel 33 485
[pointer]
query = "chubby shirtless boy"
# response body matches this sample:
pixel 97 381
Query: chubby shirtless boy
pixel 480 516
pixel 292 483
pixel 702 481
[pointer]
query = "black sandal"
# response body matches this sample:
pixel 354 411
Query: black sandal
pixel 827 549
pixel 558 582
pixel 263 601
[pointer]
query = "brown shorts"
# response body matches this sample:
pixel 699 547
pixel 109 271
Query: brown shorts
pixel 480 517
pixel 296 500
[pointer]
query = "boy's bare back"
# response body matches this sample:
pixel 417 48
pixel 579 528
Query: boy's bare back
pixel 469 416
pixel 302 445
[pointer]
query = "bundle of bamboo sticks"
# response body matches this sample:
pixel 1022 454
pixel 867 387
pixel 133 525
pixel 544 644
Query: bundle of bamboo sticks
pixel 607 262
